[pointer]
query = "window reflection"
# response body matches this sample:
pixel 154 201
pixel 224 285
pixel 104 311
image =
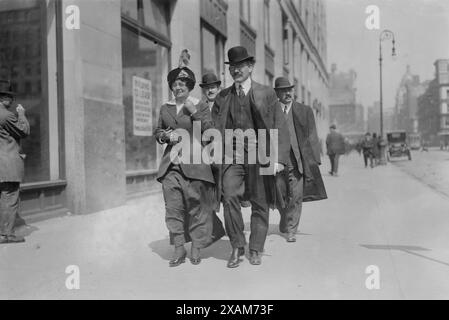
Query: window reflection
pixel 20 25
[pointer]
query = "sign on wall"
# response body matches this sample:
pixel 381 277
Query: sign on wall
pixel 142 113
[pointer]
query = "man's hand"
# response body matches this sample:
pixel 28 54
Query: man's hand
pixel 190 106
pixel 278 167
pixel 20 110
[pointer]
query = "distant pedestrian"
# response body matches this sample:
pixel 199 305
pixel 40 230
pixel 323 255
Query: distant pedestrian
pixel 367 149
pixel 12 129
pixel 446 143
pixel 424 146
pixel 335 144
pixel 376 149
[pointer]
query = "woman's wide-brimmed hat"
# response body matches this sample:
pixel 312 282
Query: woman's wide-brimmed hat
pixel 209 79
pixel 238 54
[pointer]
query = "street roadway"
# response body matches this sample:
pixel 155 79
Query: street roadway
pixel 382 234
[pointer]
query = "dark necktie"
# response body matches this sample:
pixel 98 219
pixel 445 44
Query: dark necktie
pixel 285 110
pixel 240 91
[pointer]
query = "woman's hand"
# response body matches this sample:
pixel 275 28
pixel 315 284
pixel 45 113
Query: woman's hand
pixel 190 106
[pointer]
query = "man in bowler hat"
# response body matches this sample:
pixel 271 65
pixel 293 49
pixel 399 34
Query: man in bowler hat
pixel 12 129
pixel 210 86
pixel 246 105
pixel 304 161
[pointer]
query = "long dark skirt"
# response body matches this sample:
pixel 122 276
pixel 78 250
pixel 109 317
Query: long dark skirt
pixel 189 210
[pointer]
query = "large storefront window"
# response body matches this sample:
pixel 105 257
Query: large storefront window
pixel 145 66
pixel 143 62
pixel 212 52
pixel 28 60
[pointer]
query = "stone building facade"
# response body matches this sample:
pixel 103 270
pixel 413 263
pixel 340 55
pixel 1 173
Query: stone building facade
pixel 78 84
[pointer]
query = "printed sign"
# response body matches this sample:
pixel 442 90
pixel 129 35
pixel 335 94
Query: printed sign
pixel 142 113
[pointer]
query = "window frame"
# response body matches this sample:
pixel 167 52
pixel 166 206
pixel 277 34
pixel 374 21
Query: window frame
pixel 141 30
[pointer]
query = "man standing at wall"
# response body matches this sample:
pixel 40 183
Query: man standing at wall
pixel 303 164
pixel 335 144
pixel 12 129
pixel 247 105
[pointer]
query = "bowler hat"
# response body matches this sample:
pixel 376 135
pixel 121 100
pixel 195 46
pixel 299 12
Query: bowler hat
pixel 209 79
pixel 6 88
pixel 333 126
pixel 182 73
pixel 238 54
pixel 282 83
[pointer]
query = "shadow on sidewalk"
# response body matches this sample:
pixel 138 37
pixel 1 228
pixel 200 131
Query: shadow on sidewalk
pixel 406 249
pixel 22 229
pixel 274 229
pixel 219 250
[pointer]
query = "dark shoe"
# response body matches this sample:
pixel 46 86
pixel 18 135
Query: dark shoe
pixel 291 237
pixel 11 239
pixel 195 257
pixel 179 258
pixel 331 173
pixel 254 257
pixel 234 259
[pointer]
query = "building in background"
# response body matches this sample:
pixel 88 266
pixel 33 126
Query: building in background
pixel 93 95
pixel 406 108
pixel 433 111
pixel 442 79
pixel 344 111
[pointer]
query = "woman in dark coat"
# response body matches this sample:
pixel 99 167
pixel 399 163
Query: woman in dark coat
pixel 188 188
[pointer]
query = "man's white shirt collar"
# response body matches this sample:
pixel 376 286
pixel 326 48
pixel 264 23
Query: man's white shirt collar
pixel 246 85
pixel 289 106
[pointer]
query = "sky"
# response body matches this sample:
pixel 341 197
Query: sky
pixel 421 29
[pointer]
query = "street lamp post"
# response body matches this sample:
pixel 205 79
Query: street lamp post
pixel 384 35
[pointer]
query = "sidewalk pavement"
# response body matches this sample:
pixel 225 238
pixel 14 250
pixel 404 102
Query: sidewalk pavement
pixel 378 217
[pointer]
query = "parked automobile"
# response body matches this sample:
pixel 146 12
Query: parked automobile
pixel 397 145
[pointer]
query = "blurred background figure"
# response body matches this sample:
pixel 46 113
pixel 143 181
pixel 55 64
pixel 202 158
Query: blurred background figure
pixel 376 149
pixel 367 149
pixel 335 144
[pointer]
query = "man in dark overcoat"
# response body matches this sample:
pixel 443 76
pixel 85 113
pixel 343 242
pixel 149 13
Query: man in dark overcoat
pixel 302 180
pixel 247 105
pixel 12 129
pixel 335 144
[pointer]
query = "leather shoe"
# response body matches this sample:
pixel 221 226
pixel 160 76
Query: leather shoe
pixel 234 259
pixel 180 257
pixel 3 239
pixel 254 257
pixel 195 257
pixel 11 239
pixel 291 237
